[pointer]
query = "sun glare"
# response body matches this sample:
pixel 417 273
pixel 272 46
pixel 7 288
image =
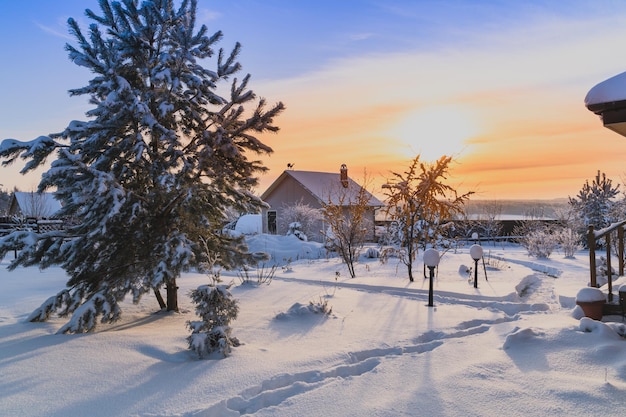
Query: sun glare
pixel 435 131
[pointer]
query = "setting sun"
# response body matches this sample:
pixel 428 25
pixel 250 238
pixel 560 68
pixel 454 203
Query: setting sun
pixel 435 131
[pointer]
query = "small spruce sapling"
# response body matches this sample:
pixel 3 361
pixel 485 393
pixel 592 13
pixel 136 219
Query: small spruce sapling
pixel 217 308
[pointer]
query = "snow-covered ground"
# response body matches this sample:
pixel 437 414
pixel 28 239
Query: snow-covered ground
pixel 516 346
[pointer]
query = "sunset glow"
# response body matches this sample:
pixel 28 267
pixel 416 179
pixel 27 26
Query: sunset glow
pixel 435 131
pixel 499 86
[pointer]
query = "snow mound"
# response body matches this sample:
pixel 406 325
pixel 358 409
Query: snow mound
pixel 299 310
pixel 611 331
pixel 285 249
pixel 527 284
pixel 249 224
pixel 523 336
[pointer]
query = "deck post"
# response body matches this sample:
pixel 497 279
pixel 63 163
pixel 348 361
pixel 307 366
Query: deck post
pixel 609 272
pixel 591 242
pixel 620 249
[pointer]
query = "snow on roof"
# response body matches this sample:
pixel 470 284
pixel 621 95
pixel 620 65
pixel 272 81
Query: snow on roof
pixel 37 204
pixel 613 89
pixel 325 185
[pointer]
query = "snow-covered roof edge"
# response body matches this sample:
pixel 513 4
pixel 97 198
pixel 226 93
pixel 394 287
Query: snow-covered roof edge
pixel 610 90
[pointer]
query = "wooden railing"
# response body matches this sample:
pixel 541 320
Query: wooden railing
pixel 592 237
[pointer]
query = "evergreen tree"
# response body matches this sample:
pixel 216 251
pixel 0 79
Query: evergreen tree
pixel 217 308
pixel 152 171
pixel 594 205
pixel 5 200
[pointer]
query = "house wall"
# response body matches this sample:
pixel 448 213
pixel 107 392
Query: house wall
pixel 288 193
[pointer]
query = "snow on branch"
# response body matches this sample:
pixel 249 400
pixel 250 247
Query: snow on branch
pixel 84 317
pixel 36 150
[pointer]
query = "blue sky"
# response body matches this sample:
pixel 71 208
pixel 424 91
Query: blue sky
pixel 499 84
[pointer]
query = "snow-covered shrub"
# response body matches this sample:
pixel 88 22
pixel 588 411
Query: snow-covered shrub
pixel 314 307
pixel 320 307
pixel 308 220
pixel 295 228
pixel 569 242
pixel 539 243
pixel 217 308
pixel 372 253
pixel 391 235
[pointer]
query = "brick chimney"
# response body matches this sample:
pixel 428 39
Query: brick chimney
pixel 343 175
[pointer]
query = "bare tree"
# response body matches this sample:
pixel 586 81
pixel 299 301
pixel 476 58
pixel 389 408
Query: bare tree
pixel 346 214
pixel 490 226
pixel 422 205
pixel 36 205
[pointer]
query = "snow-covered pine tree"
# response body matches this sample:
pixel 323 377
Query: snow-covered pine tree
pixel 595 202
pixel 217 308
pixel 153 169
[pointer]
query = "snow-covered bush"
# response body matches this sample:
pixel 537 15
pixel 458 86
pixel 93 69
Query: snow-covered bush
pixel 372 253
pixel 320 307
pixel 307 218
pixel 314 307
pixel 539 243
pixel 569 242
pixel 295 228
pixel 217 308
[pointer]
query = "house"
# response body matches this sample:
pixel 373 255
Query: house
pixel 313 189
pixel 33 204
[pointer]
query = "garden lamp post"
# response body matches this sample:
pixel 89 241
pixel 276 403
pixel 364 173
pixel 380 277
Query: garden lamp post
pixel 476 252
pixel 431 259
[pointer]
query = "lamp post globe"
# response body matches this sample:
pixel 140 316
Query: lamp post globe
pixel 431 260
pixel 476 252
pixel 431 257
